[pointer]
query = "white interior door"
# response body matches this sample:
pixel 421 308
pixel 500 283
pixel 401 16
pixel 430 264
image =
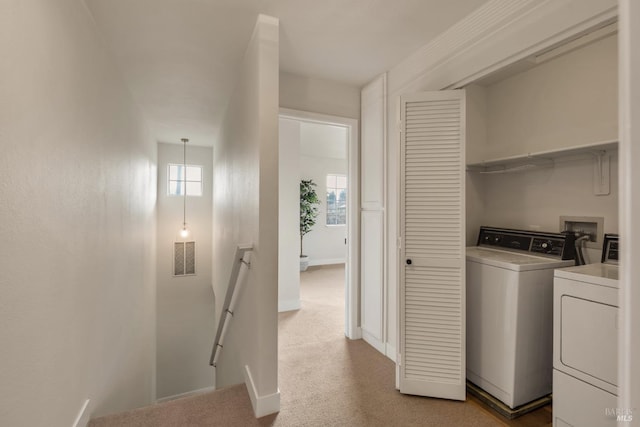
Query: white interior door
pixel 372 216
pixel 432 221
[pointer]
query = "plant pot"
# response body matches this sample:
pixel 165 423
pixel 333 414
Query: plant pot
pixel 304 262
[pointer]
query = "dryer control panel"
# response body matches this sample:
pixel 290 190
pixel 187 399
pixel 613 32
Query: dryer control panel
pixel 556 245
pixel 610 249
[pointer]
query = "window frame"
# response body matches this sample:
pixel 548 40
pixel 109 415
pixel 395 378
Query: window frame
pixel 335 212
pixel 186 181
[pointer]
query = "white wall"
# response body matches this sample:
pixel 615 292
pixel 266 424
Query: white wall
pixel 535 199
pixel 246 211
pixel 78 187
pixel 324 244
pixel 185 305
pixel 568 101
pixel 319 96
pixel 289 216
pixel 323 151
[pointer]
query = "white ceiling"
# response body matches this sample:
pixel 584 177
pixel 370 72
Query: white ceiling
pixel 179 57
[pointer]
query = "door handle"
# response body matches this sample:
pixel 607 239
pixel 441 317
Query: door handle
pixel 409 262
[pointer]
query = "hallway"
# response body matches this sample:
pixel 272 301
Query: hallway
pixel 325 380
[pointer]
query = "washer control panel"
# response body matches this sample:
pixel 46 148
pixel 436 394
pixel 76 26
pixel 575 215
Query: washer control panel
pixel 557 245
pixel 547 246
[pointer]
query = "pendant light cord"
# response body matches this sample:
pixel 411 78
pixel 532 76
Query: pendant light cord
pixel 184 196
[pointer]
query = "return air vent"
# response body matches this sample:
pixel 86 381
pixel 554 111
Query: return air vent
pixel 184 258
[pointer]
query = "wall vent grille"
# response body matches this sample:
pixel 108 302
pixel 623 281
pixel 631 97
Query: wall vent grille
pixel 184 258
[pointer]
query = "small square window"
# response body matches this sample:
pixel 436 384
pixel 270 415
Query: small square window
pixel 176 180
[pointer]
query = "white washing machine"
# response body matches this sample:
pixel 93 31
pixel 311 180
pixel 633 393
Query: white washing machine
pixel 510 311
pixel 585 346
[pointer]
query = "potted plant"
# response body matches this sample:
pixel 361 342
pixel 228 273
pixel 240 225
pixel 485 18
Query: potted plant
pixel 308 214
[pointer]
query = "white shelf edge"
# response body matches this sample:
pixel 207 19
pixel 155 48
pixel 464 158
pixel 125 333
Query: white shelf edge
pixel 549 154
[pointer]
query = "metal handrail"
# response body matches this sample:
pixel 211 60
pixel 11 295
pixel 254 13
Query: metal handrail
pixel 241 259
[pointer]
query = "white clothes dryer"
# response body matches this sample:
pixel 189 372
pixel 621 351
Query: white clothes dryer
pixel 510 311
pixel 585 346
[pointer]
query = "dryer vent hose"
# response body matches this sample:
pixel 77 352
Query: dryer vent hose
pixel 579 254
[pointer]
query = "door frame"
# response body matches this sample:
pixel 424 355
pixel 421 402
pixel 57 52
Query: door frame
pixel 352 282
pixel 629 205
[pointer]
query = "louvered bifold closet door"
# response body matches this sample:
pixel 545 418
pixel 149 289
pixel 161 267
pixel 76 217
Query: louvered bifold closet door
pixel 432 297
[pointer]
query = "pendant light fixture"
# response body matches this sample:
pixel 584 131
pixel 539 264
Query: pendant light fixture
pixel 184 231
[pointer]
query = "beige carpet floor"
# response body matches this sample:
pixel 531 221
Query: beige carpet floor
pixel 325 379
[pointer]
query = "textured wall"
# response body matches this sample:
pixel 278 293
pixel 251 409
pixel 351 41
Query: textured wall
pixel 568 101
pixel 185 305
pixel 77 215
pixel 324 244
pixel 319 96
pixel 246 211
pixel 289 216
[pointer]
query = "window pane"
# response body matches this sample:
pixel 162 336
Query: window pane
pixel 194 188
pixel 341 216
pixel 194 173
pixel 173 172
pixel 331 181
pixel 331 218
pixel 176 188
pixel 342 181
pixel 331 197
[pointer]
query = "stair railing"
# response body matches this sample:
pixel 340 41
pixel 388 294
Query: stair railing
pixel 241 264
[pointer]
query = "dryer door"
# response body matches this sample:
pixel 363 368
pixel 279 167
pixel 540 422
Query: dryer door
pixel 586 332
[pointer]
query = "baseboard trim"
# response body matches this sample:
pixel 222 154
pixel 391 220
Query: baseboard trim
pixel 390 352
pixel 373 342
pixel 357 334
pixel 185 394
pixel 289 305
pixel 82 420
pixel 262 405
pixel 329 261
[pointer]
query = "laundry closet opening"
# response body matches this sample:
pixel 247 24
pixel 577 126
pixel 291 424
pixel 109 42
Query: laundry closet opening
pixel 528 146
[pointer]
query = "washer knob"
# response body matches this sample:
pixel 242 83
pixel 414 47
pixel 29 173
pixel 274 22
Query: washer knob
pixel 547 246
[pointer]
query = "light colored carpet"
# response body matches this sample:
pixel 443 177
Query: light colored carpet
pixel 325 379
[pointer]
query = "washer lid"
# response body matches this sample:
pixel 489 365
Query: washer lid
pixel 513 260
pixel 598 274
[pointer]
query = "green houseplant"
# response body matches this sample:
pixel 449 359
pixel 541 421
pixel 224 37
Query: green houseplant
pixel 308 213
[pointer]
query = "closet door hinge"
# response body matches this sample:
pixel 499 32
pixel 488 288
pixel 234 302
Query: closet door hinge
pixel 400 126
